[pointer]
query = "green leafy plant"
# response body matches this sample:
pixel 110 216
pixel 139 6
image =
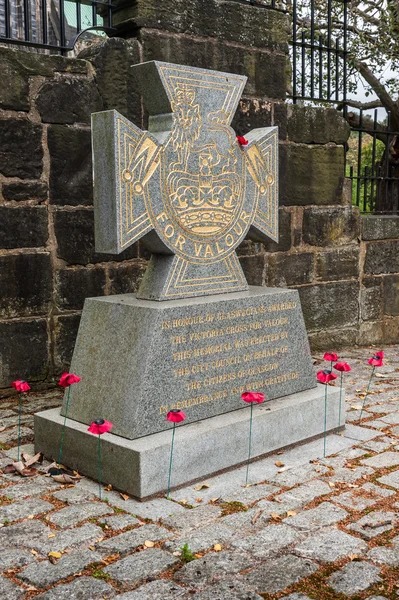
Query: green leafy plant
pixel 186 554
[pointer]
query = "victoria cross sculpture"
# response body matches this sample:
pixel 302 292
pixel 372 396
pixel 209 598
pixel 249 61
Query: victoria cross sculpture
pixel 186 187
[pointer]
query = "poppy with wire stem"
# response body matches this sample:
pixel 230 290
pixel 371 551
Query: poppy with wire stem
pixel 374 361
pixel 66 380
pixel 330 357
pixel 325 377
pixel 174 416
pixel 250 398
pixel 98 427
pixel 21 387
pixel 342 367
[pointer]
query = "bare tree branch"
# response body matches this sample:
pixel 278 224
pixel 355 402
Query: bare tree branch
pixel 380 131
pixel 376 85
pixel 364 105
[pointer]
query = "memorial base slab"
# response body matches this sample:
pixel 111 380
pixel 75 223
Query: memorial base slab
pixel 140 467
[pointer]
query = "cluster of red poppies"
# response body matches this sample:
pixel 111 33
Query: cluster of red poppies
pixel 327 375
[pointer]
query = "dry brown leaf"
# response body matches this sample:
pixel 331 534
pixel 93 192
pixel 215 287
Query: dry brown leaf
pixel 31 460
pixel 284 469
pixel 54 554
pixel 31 588
pixel 149 544
pixel 51 535
pixel 2 428
pixel 124 496
pixel 63 478
pixel 275 516
pixel 30 517
pixel 217 547
pixel 331 484
pixel 201 486
pixel 198 500
pixel 184 501
pixel 33 552
pixel 256 517
pixel 108 488
pixel 215 499
pixel 291 513
pixel 278 463
pixel 356 406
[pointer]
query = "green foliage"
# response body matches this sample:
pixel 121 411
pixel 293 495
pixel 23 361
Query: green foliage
pixel 99 574
pixel 186 554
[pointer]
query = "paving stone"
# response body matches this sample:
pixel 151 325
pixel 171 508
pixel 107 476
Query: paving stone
pixel 296 597
pixel 226 590
pixel 203 538
pixel 352 453
pixel 74 495
pixel 349 475
pixel 213 567
pixel 378 424
pixel 72 515
pixel 359 433
pixel 360 499
pixel 124 543
pixel 392 418
pixel 378 445
pixel 242 521
pixel 384 555
pixel 23 509
pixel 45 573
pixel 268 541
pixel 10 591
pixel 374 524
pixel 84 588
pixel 160 508
pixel 298 475
pixel 15 559
pixel 35 487
pixel 277 574
pixel 120 521
pixel 250 494
pixel 26 534
pixel 277 508
pixel 193 517
pixel 79 537
pixel 392 479
pixel 329 546
pixel 305 493
pixel 380 461
pixel 11 435
pixel 27 448
pixel 137 567
pixel 384 408
pixel 155 590
pixel 324 515
pixel 354 577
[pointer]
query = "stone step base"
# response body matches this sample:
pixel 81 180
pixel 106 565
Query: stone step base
pixel 140 467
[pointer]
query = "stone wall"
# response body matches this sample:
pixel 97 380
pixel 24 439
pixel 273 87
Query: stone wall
pixel 48 264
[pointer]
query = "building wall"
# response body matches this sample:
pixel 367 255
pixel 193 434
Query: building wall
pixel 345 267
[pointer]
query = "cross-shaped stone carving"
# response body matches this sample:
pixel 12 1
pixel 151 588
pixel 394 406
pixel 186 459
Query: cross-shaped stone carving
pixel 185 186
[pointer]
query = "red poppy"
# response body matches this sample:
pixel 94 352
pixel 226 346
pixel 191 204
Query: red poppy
pixel 21 386
pixel 175 416
pixel 342 366
pixel 253 397
pixel 330 356
pixel 242 141
pixel 376 359
pixel 100 426
pixel 326 376
pixel 68 379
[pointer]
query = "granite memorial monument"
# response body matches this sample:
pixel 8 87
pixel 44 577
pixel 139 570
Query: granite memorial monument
pixel 195 336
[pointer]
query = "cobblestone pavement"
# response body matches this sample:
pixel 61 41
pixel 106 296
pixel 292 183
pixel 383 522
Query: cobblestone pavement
pixel 306 527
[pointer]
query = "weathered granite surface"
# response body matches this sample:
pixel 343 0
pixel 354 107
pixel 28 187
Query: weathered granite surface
pixel 220 442
pixel 198 355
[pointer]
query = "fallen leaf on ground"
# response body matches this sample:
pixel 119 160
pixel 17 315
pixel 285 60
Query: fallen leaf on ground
pixel 149 544
pixel 64 478
pixel 201 486
pixel 291 513
pixel 217 547
pixel 275 516
pixel 283 469
pixel 198 500
pixel 31 460
pixel 124 496
pixel 256 517
pixel 216 499
pixel 55 554
pixel 278 463
pixel 331 484
pixel 51 535
pixel 108 488
pixel 184 501
pixel 356 406
pixel 34 552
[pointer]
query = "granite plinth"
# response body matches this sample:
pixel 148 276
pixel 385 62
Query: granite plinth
pixel 140 467
pixel 139 359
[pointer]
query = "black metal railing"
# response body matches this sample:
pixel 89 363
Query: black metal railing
pixel 318 55
pixel 373 163
pixel 52 25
